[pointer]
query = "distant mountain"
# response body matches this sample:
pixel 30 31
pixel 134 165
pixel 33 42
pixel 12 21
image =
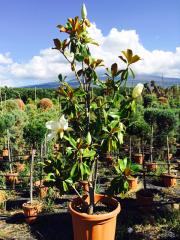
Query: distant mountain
pixel 164 82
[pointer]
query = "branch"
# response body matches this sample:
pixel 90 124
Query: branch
pixel 71 62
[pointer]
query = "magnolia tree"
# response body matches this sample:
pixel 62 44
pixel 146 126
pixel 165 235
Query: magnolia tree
pixel 89 122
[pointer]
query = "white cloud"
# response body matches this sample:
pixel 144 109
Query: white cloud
pixel 43 67
pixel 5 58
pixel 153 62
pixel 49 63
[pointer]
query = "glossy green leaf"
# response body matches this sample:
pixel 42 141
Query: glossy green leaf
pixel 73 170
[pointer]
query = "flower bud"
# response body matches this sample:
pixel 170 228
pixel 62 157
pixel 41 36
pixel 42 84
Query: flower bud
pixel 137 90
pixel 88 138
pixel 83 11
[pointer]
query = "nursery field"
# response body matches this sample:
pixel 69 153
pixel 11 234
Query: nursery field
pixel 161 221
pixel 97 161
pixel 24 170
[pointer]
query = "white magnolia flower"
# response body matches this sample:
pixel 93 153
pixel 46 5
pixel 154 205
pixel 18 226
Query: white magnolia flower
pixel 137 90
pixel 57 127
pixel 83 11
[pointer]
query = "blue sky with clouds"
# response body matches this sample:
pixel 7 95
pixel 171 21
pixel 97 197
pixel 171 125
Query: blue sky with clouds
pixel 27 27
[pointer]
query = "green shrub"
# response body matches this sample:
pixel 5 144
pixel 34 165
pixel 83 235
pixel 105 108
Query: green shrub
pixel 138 128
pixel 166 120
pixel 150 100
pixel 150 115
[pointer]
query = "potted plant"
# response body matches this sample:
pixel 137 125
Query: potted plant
pixel 145 196
pixel 167 122
pixel 7 122
pixel 138 128
pixel 111 137
pixel 84 119
pixel 34 134
pixel 126 179
pixel 150 117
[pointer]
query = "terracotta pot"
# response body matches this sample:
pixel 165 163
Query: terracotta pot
pixel 107 158
pixel 138 158
pixel 94 227
pixel 3 196
pixel 151 167
pixel 169 180
pixel 11 178
pixel 170 156
pixel 20 167
pixel 133 183
pixel 31 211
pixel 144 198
pixel 42 190
pixel 5 154
pixel 26 157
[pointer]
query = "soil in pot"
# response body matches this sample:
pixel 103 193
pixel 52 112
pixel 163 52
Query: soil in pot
pixel 133 183
pixel 99 226
pixel 31 210
pixel 138 158
pixel 169 180
pixel 144 199
pixel 151 167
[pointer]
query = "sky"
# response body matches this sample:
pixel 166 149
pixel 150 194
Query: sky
pixel 27 28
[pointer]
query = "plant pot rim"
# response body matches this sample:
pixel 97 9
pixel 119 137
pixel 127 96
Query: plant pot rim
pixel 169 175
pixel 83 181
pixel 151 163
pixel 132 178
pixel 31 205
pixel 95 217
pixel 143 193
pixel 11 174
pixel 138 154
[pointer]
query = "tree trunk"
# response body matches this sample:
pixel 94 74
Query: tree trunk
pixel 31 175
pixel 130 148
pixel 168 160
pixel 144 172
pixel 144 179
pixel 139 145
pixel 9 151
pixel 92 186
pixel 91 198
pixel 151 147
